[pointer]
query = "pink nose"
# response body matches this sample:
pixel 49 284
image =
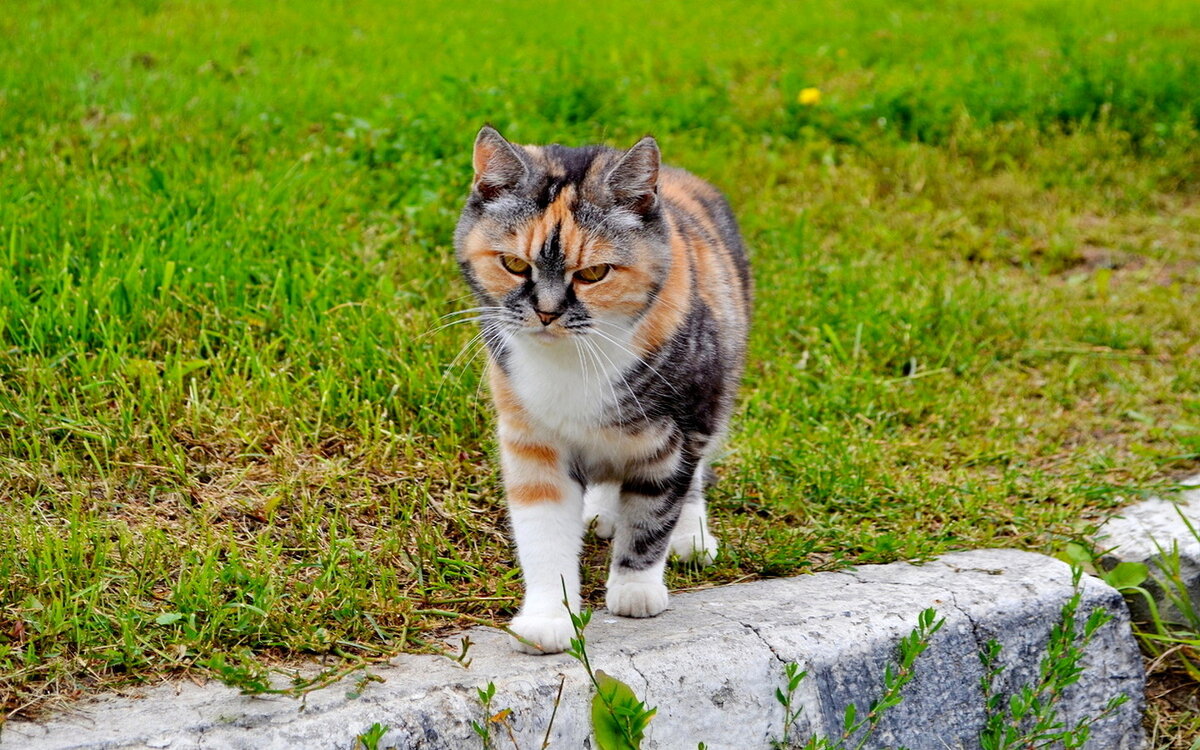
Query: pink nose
pixel 547 317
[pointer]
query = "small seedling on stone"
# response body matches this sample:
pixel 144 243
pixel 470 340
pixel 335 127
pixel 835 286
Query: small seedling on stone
pixel 1028 719
pixel 619 719
pixel 895 677
pixel 794 676
pixel 369 740
pixel 484 728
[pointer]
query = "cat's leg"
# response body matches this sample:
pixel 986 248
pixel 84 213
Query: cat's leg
pixel 601 503
pixel 546 508
pixel 649 510
pixel 691 540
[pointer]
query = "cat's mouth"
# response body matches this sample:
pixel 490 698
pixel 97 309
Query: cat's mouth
pixel 546 333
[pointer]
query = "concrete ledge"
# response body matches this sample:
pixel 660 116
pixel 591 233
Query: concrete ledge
pixel 710 664
pixel 1142 528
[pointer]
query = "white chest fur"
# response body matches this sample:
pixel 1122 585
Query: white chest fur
pixel 570 385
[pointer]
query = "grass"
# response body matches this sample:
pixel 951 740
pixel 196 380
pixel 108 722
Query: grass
pixel 230 435
pixel 1170 636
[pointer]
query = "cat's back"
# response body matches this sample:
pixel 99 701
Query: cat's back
pixel 705 235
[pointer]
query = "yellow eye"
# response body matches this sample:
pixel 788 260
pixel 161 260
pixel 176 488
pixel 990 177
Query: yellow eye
pixel 513 264
pixel 592 274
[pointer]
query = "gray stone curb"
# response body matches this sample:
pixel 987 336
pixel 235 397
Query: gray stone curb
pixel 1142 528
pixel 711 665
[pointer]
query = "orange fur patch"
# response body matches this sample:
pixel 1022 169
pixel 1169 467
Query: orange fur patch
pixel 508 406
pixel 529 493
pixel 667 312
pixel 532 452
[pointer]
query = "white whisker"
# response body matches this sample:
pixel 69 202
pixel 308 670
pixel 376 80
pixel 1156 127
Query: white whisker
pixel 469 346
pixel 473 310
pixel 496 338
pixel 603 376
pixel 624 382
pixel 629 351
pixel 444 326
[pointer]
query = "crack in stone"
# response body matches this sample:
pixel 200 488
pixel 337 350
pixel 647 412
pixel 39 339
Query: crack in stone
pixel 975 629
pixel 752 629
pixel 633 665
pixel 765 642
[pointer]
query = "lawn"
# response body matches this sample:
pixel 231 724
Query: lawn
pixel 233 431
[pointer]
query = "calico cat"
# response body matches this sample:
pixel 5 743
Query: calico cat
pixel 614 299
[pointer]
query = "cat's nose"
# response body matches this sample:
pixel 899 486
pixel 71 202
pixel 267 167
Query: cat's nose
pixel 547 317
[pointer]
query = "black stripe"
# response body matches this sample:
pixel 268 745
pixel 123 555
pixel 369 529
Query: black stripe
pixel 551 260
pixel 647 487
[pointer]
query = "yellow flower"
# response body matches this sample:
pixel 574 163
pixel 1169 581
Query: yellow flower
pixel 810 97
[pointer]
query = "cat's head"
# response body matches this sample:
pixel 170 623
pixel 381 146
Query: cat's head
pixel 558 241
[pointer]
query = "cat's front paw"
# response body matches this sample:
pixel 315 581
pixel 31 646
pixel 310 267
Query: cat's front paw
pixel 636 598
pixel 541 634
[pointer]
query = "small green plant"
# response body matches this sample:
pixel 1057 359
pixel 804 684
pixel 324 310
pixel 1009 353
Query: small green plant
pixel 484 730
pixel 461 657
pixel 369 740
pixel 492 719
pixel 1124 576
pixel 1169 636
pixel 1181 633
pixel 1029 719
pixel 619 719
pixel 895 677
pixel 791 715
pixel 240 669
pixel 501 717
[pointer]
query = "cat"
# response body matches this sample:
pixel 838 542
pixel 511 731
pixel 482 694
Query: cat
pixel 614 298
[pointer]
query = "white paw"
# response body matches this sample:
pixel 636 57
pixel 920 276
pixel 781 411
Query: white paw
pixel 545 635
pixel 691 540
pixel 604 524
pixel 600 505
pixel 636 598
pixel 694 548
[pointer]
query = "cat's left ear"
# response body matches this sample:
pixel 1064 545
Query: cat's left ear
pixel 634 180
pixel 498 164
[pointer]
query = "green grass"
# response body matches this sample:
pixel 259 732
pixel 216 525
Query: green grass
pixel 229 435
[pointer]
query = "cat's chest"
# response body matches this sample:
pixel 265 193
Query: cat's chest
pixel 570 386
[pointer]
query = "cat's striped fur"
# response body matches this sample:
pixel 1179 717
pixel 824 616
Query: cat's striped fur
pixel 614 297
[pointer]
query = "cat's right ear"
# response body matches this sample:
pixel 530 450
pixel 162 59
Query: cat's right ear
pixel 499 165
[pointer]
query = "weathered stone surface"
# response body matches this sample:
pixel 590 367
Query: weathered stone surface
pixel 710 664
pixel 1143 528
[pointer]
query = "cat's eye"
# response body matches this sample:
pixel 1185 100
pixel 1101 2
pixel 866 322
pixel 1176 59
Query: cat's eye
pixel 513 264
pixel 592 274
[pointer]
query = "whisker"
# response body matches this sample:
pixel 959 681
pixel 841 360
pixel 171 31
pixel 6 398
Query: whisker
pixel 624 380
pixel 590 348
pixel 579 356
pixel 583 368
pixel 444 326
pixel 473 310
pixel 477 338
pixel 488 334
pixel 470 345
pixel 641 359
pixel 497 340
pixel 468 295
pixel 608 379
